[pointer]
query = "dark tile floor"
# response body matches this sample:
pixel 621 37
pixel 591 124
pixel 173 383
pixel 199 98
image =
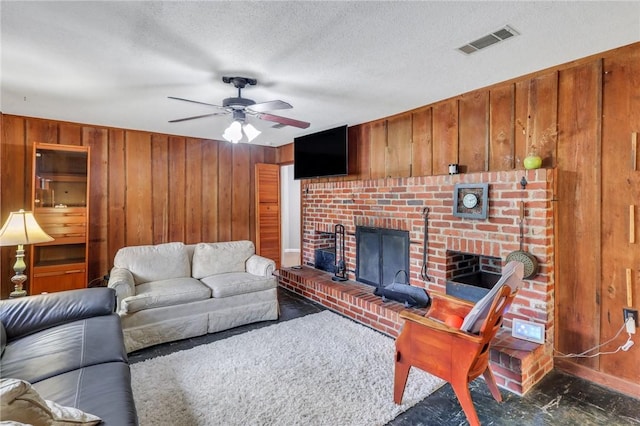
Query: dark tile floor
pixel 559 399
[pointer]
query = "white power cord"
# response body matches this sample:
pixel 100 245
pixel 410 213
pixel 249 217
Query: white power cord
pixel 624 347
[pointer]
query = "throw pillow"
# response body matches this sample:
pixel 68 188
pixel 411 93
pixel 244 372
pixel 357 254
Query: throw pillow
pixel 19 402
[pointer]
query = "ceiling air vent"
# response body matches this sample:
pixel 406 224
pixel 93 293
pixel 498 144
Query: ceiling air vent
pixel 486 41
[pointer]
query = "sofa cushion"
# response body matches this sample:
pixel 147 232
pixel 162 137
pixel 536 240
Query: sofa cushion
pixel 219 258
pixel 154 262
pixel 103 390
pixel 234 283
pixel 64 348
pixel 20 402
pixel 3 338
pixel 175 291
pixel 25 315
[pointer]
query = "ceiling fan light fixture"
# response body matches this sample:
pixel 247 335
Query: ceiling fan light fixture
pixel 233 133
pixel 240 107
pixel 251 131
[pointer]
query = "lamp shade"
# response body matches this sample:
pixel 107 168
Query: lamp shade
pixel 233 133
pixel 22 228
pixel 251 131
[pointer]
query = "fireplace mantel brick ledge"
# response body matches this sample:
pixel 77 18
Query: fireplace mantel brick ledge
pixel 398 203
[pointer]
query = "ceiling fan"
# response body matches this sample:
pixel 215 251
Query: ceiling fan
pixel 240 107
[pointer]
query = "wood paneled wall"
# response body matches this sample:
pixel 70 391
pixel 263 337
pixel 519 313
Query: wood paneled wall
pixel 580 117
pixel 486 130
pixel 150 188
pixel 146 188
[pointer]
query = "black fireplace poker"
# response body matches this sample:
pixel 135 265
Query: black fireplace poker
pixel 425 246
pixel 340 273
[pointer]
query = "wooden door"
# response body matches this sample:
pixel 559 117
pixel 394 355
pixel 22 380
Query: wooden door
pixel 267 186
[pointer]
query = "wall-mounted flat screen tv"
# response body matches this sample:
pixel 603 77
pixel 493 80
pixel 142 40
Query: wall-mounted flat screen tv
pixel 321 154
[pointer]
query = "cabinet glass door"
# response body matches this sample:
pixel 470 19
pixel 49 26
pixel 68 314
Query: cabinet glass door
pixel 60 194
pixel 61 178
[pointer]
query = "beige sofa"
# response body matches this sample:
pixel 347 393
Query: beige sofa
pixel 173 291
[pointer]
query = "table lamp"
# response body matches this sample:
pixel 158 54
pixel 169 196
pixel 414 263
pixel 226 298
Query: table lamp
pixel 21 228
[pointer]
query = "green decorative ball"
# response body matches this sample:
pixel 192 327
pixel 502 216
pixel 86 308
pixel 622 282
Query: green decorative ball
pixel 532 162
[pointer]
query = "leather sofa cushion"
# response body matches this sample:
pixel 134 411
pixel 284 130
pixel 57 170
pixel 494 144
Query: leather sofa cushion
pixel 234 283
pixel 3 338
pixel 176 291
pixel 26 315
pixel 103 390
pixel 64 348
pixel 219 258
pixel 22 403
pixel 154 262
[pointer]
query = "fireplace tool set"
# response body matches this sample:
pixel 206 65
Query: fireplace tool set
pixel 340 273
pixel 425 246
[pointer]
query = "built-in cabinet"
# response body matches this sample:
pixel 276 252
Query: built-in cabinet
pixel 60 193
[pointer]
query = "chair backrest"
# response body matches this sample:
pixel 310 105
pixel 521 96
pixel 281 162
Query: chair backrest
pixel 489 328
pixel 499 307
pixel 512 275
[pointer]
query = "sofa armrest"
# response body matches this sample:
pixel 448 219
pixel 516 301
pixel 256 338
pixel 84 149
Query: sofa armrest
pixel 26 315
pixel 121 280
pixel 262 266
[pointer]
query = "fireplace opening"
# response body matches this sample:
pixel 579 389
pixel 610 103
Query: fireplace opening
pixel 471 276
pixel 325 251
pixel 325 259
pixel 380 254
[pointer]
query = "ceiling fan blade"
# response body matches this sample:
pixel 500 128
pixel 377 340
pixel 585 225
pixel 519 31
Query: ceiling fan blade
pixel 194 102
pixel 284 120
pixel 196 116
pixel 269 106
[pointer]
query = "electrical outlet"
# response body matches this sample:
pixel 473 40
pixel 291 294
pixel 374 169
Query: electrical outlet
pixel 527 330
pixel 630 313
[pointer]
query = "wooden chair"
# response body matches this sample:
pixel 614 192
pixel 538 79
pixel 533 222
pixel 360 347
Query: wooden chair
pixel 456 356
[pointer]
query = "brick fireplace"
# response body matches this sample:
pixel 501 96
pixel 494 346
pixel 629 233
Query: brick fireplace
pixel 399 204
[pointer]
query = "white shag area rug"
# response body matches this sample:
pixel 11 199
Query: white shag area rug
pixel 321 369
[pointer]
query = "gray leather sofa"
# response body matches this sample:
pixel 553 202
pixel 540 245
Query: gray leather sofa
pixel 69 346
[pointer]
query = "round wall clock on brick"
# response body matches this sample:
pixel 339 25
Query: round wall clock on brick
pixel 471 200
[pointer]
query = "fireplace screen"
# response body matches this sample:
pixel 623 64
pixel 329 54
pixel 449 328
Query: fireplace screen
pixel 380 254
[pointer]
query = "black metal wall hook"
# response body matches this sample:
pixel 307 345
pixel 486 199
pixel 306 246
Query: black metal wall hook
pixel 523 182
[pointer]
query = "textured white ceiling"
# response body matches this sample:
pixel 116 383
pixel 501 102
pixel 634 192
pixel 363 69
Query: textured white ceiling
pixel 115 63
